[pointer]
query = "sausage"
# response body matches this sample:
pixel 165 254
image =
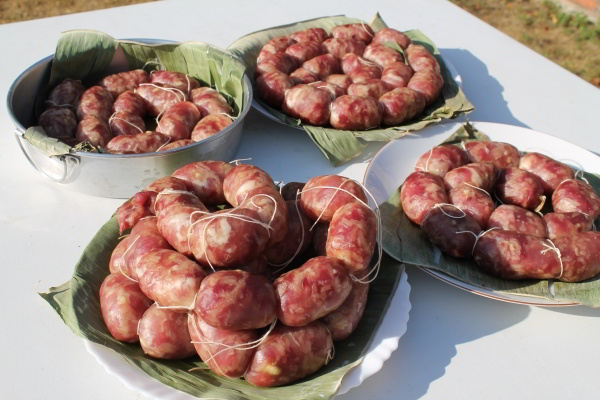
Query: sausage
pixel 146 142
pixel 304 51
pixel 165 198
pixel 236 300
pixel 175 79
pixel 134 209
pixel 482 175
pixel 290 190
pixel 355 113
pixel 310 35
pixel 130 102
pixel 323 66
pixel 389 35
pixel 122 304
pixel 179 121
pixel 143 241
pixel 228 238
pixel 169 278
pixel 302 76
pixel 121 82
pixel 296 240
pixel 276 62
pixel 442 159
pixel 258 266
pixel 429 83
pixel 401 105
pixel 580 255
pixel 125 123
pixel 502 155
pixel 453 231
pixel 520 188
pixel 312 291
pixel 159 98
pixel 117 253
pixel 160 185
pixel 341 47
pixel 361 32
pixel 374 88
pixel 66 93
pixel 341 80
pixel 351 63
pixel 352 236
pixel 289 354
pixel 307 103
pixel 420 192
pixel 382 55
pixel 320 198
pixel 272 210
pixel 164 334
pixel 573 195
pixel 214 346
pixel 565 224
pixel 175 219
pixel 420 59
pixel 342 321
pixel 320 239
pixel 93 130
pixel 210 126
pixel 209 101
pixel 517 219
pixel 241 180
pixel 550 172
pixel 364 73
pixel 95 101
pixel 397 74
pixel 58 122
pixel 473 201
pixel 277 45
pixel 272 86
pixel 333 90
pixel 176 144
pixel 205 179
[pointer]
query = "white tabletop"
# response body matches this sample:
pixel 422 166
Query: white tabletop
pixel 458 345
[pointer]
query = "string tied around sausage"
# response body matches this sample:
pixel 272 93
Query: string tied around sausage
pixel 172 90
pixel 183 308
pixel 365 28
pixel 441 207
pixel 170 191
pixel 113 118
pixel 330 353
pixel 557 251
pixel 285 264
pixel 538 209
pixel 231 117
pixel 237 162
pixel 120 260
pixel 164 144
pixel 367 62
pixel 426 169
pixel 160 65
pixel 477 237
pixel 326 87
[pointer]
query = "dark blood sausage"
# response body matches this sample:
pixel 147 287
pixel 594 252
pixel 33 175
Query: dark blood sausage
pixel 565 224
pixel 296 240
pixel 482 175
pixel 213 346
pixel 441 159
pixel 451 230
pixel 278 44
pixel 382 55
pixel 290 190
pixel 429 83
pixel 122 304
pixel 164 334
pixel 374 88
pixel 272 86
pixel 352 236
pixel 580 254
pixel 361 32
pixel 176 144
pixel 94 130
pixel 236 300
pixel 340 47
pixel 322 66
pixel 397 74
pixel 121 82
pixel 420 59
pixel 289 354
pixel 513 255
pixel 179 121
pixel 241 180
pixel 125 123
pixel 550 172
pixel 175 79
pixel 159 98
pixel 65 94
pixel 205 179
pixel 307 103
pixel 320 239
pixel 210 126
pixel 420 192
pixel 475 202
pixel 389 35
pixel 272 209
pixel 146 142
pixel 276 62
pixel 302 76
pixel 401 105
pixel 576 196
pixel 176 217
pixel 169 278
pixel 134 209
pixel 341 80
pixel 321 198
pixel 312 291
pixel 520 188
pixel 502 155
pixel 355 113
pixel 517 219
pixel 310 35
pixel 58 122
pixel 304 51
pixel 130 102
pixel 95 101
pixel 228 238
pixel 209 101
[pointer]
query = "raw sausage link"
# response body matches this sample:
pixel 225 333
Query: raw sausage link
pixel 205 179
pixel 304 51
pixel 146 142
pixel 429 83
pixel 502 155
pixel 179 121
pixel 294 241
pixel 382 55
pixel 301 77
pixel 164 334
pixel 272 209
pixel 448 229
pixel 580 254
pixel 241 180
pixel 565 224
pixel 209 101
pixel 159 98
pixel 342 321
pixel 210 126
pixel 130 102
pixel 520 188
pixel 341 80
pixel 94 130
pixel 175 79
pixel 276 62
pixel 310 35
pixel 361 32
pixel 441 159
pixel 355 113
pixel 125 123
pixel 307 103
pixel 400 105
pixel 318 201
pixel 517 219
pixel 121 82
pixel 340 47
pixel 374 88
pixel 175 219
pixel 576 196
pixel 95 101
pixel 420 192
pixel 550 172
pixel 389 35
pixel 272 86
pixel 474 202
pixel 420 59
pixel 397 74
pixel 482 175
pixel 322 66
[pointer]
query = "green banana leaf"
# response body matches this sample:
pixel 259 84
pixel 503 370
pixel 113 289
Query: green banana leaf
pixel 407 242
pixel 77 303
pixel 340 146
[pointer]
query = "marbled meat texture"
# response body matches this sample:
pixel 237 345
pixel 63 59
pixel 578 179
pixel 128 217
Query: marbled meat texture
pixel 333 90
pixel 342 321
pixel 175 79
pixel 580 254
pixel 165 199
pixel 517 219
pixel 452 231
pixel 355 113
pixel 272 209
pixel 322 66
pixel 341 80
pixel 340 47
pixel 475 202
pixel 307 103
pixel 550 171
pixel 389 35
pixel 276 62
pixel 65 94
pixel 321 198
pixel 241 180
pixel 480 174
pixel 374 88
pixel 210 126
pixel 442 159
pixel 382 55
pixel 278 44
pixel 297 239
pixel 134 209
pixel 175 220
pixel 420 59
pixel 209 101
pixel 362 32
pixel 397 74
pixel 272 86
pixel 400 105
pixel 300 77
pixel 352 62
pixel 520 188
pixel 126 123
pixel 58 122
pixel 205 179
pixel 176 144
pixel 566 224
pixel 159 98
pixel 144 239
pixel 117 254
pixel 130 102
pixel 310 35
pixel 147 142
pixel 95 101
pixel 502 155
pixel 121 82
pixel 420 192
pixel 94 130
pixel 164 334
pixel 574 195
pixel 179 121
pixel 304 51
pixel 429 83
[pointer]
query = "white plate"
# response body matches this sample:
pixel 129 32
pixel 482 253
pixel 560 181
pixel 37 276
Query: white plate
pixel 384 343
pixel 396 160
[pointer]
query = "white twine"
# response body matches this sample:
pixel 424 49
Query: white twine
pixel 112 118
pixel 331 353
pixel 173 90
pixel 426 169
pixel 440 206
pixel 540 206
pixel 285 264
pixel 477 237
pixel 367 62
pixel 154 63
pixel 329 88
pixel 148 217
pixel 478 188
pixel 119 261
pixel 557 251
pixel 365 29
pixel 170 191
pixel 227 115
pixel 237 162
pixel 498 198
pixel 189 308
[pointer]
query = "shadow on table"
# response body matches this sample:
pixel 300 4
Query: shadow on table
pixel 579 311
pixel 482 89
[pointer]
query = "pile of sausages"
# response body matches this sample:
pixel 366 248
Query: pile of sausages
pixel 111 115
pixel 450 197
pixel 351 81
pixel 201 270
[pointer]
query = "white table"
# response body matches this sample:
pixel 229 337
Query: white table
pixel 458 345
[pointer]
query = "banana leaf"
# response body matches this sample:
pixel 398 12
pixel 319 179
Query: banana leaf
pixel 77 303
pixel 407 242
pixel 340 146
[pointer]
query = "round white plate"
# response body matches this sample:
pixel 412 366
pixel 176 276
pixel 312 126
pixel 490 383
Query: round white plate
pixel 396 160
pixel 384 343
